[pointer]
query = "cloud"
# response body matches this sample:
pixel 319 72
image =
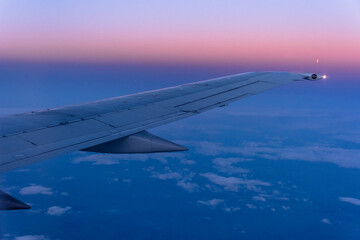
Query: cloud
pixel 326 221
pixel 66 178
pixel 35 189
pixel 98 159
pixel 167 176
pixel 276 195
pixel 354 201
pixel 339 156
pixel 265 112
pixel 234 183
pixel 351 137
pixel 114 159
pixel 57 211
pixel 315 153
pixel 187 185
pixel 251 206
pixel 212 148
pixel 163 157
pixel 211 203
pixel 108 159
pixel 226 165
pixel 343 157
pixel 32 237
pixel 187 162
pixel 285 207
pixel 127 180
pixel 259 198
pixel 182 180
pixel 232 209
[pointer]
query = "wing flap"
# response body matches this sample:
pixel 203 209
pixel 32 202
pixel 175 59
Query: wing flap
pixel 142 142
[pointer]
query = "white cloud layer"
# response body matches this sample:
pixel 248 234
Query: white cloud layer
pixel 211 203
pixel 108 159
pixel 227 165
pixel 57 211
pixel 35 189
pixel 187 162
pixel 234 183
pixel 114 159
pixel 343 157
pixel 251 206
pixel 354 201
pixel 187 185
pixel 182 181
pixel 285 207
pixel 326 221
pixel 31 237
pixel 167 176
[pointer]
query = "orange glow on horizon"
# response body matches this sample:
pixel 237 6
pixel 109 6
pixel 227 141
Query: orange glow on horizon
pixel 203 47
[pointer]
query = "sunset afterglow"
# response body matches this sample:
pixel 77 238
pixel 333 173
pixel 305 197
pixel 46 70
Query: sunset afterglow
pixel 192 32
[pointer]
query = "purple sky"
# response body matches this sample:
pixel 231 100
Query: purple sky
pixel 270 33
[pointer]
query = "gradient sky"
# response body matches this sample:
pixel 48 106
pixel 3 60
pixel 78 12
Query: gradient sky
pixel 301 140
pixel 202 31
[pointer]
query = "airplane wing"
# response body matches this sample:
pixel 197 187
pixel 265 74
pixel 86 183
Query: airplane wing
pixel 118 125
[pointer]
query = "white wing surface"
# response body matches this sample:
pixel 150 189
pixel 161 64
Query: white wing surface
pixel 121 122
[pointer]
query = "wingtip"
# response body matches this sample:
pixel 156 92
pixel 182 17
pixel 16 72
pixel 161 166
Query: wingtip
pixel 181 148
pixel 313 76
pixel 20 206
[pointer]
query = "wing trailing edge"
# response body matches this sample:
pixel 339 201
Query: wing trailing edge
pixel 142 142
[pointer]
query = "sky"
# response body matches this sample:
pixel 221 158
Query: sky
pixel 280 32
pixel 283 164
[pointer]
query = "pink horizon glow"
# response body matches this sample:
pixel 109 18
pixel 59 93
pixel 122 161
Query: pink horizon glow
pixel 261 37
pixel 180 48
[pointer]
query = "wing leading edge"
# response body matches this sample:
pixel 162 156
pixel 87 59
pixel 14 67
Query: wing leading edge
pixel 98 126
